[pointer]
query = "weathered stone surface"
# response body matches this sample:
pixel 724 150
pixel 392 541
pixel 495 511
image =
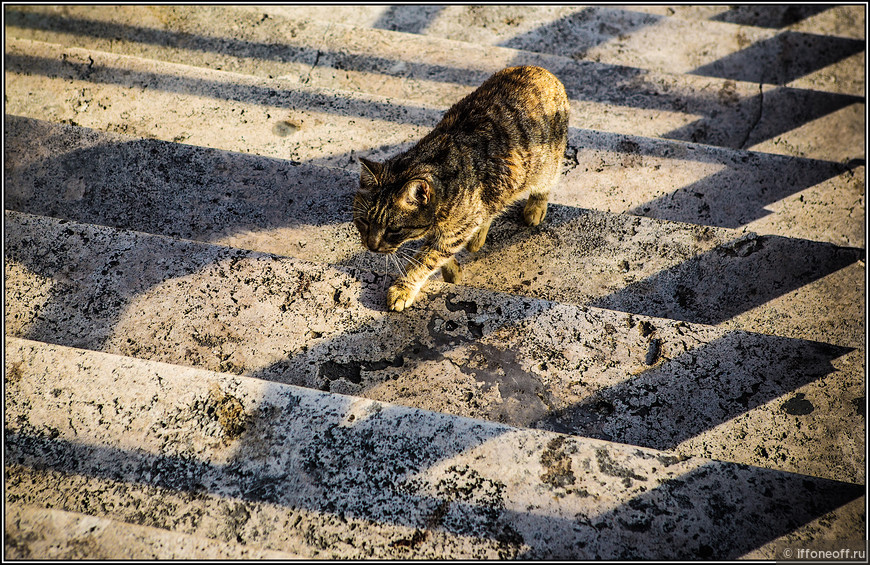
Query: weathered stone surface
pixel 38 533
pixel 230 114
pixel 430 70
pixel 670 180
pixel 829 19
pixel 637 265
pixel 152 99
pixel 333 476
pixel 624 36
pixel 523 361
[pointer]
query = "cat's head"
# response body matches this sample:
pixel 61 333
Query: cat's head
pixel 392 206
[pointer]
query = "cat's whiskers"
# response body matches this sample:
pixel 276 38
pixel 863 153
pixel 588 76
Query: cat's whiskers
pixel 408 256
pixel 395 259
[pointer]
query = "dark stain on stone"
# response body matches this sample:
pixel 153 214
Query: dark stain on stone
pixel 465 484
pixel 418 537
pixel 398 361
pixel 613 469
pixel 668 460
pixel 333 371
pixel 493 365
pixel 798 405
pixel 557 463
pixel 631 153
pixel 719 510
pixel 467 306
pixel 285 128
pixel 653 351
pixel 685 296
pixel 604 407
pixel 229 412
pixel 743 247
pixel 860 405
pixel 236 518
pixel 14 373
pixel 482 506
pixel 745 398
pixel 352 371
pixel 445 337
pixel 728 93
pixel 475 329
pixel 645 328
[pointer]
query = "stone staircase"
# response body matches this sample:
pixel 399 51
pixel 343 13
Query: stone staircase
pixel 199 363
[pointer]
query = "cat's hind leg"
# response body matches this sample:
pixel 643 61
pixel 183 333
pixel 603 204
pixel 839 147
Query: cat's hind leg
pixel 539 192
pixel 476 242
pixel 536 209
pixel 451 271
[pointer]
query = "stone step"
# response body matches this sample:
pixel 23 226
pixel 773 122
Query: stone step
pixel 824 19
pixel 38 533
pixel 429 70
pixel 615 172
pixel 757 281
pixel 266 467
pixel 627 37
pixel 219 109
pixel 665 384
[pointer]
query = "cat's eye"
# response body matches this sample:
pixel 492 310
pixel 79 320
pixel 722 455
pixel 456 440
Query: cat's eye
pixel 393 231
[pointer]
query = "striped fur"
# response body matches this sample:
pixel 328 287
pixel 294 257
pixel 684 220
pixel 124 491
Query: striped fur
pixel 503 140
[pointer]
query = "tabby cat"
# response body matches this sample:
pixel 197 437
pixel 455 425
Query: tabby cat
pixel 505 138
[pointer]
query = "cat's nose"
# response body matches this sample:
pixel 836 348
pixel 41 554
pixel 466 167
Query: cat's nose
pixel 373 241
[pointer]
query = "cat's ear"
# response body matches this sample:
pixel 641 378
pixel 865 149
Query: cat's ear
pixel 369 172
pixel 415 193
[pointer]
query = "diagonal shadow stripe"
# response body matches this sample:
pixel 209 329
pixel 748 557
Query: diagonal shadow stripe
pixel 775 112
pixel 162 187
pixel 408 18
pixel 738 194
pixel 732 279
pixel 251 94
pixel 722 539
pixel 721 509
pixel 782 58
pixel 770 15
pixel 573 35
pixel 690 393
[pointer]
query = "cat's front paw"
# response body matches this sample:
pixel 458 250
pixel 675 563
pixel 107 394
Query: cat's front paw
pixel 400 297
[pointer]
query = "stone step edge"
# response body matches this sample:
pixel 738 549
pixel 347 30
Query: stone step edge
pixel 519 53
pixel 322 338
pixel 633 8
pixel 338 93
pixel 733 233
pixel 481 452
pixel 36 532
pixel 253 253
pixel 691 146
pixel 167 370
